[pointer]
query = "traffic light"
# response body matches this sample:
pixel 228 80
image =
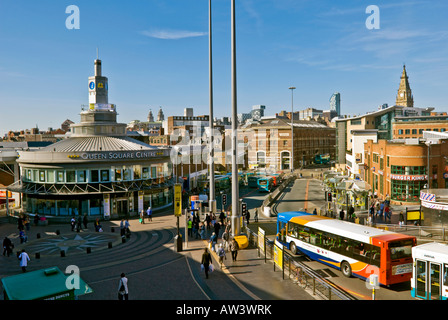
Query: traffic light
pixel 224 199
pixel 243 208
pixel 329 196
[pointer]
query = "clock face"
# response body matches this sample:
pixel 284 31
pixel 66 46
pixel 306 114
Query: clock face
pixel 402 94
pixel 92 85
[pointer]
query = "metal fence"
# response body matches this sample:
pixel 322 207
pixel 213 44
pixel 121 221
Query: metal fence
pixel 299 273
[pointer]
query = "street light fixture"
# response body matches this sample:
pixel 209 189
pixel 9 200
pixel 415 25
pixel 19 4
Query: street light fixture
pixel 292 128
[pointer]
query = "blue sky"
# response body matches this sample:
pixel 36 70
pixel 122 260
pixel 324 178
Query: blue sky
pixel 155 53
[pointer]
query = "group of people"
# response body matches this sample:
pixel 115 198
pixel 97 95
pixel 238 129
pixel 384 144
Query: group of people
pixel 227 244
pixel 380 209
pixel 148 214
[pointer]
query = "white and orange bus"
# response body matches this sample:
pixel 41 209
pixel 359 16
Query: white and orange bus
pixel 352 248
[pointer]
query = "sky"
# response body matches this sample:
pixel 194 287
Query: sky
pixel 155 54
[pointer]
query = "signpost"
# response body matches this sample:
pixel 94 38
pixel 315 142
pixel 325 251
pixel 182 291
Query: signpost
pixel 278 257
pixel 261 242
pixel 178 213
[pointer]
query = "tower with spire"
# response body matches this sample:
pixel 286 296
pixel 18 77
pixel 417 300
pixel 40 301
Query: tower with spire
pixel 404 95
pixel 160 115
pixel 98 86
pixel 150 116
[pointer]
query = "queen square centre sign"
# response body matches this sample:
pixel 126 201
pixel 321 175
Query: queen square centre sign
pixel 141 154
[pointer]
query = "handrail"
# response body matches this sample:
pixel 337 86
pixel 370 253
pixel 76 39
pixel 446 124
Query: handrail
pixel 318 284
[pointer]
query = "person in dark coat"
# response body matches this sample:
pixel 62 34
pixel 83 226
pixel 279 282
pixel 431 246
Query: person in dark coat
pixel 206 261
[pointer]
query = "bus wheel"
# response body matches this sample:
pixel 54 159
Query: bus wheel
pixel 293 248
pixel 346 269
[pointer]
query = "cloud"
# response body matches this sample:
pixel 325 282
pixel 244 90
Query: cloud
pixel 172 34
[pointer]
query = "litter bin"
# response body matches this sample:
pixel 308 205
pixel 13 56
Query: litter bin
pixel 178 242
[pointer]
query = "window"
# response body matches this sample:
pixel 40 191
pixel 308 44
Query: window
pixel 145 173
pixel 94 176
pixel 414 131
pixel 117 176
pixel 70 176
pixel 81 176
pixel 407 131
pixel 50 176
pixel 41 175
pixel 105 175
pixel 60 176
pixel 400 131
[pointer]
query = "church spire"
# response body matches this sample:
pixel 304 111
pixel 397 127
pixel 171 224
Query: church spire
pixel 404 96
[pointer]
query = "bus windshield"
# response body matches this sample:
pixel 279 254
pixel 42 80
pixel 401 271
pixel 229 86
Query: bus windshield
pixel 400 249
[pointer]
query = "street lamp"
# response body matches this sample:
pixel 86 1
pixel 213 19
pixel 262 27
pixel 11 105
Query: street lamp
pixel 235 225
pixel 428 144
pixel 211 151
pixel 292 128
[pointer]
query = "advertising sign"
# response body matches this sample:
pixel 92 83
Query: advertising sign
pixel 177 199
pixel 278 254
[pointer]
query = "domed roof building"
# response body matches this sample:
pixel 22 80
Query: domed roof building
pixel 98 170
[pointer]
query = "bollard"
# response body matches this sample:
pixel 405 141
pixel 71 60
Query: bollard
pixel 62 253
pixel 38 236
pixel 37 255
pixel 112 229
pixel 123 240
pixel 89 250
pixel 58 232
pixel 109 245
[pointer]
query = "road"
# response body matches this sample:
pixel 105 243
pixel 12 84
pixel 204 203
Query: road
pixel 308 194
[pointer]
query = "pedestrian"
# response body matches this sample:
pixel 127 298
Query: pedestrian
pixel 127 228
pixel 36 219
pixel 401 219
pixel 247 216
pixel 341 214
pixel 217 227
pixel 256 215
pixel 20 223
pixel 388 214
pixel 122 229
pixel 225 240
pixel 7 246
pixel 27 222
pixel 123 291
pixel 97 225
pixel 222 217
pixel 190 227
pixel 23 237
pixel 221 254
pixel 202 231
pixel 351 213
pixel 234 249
pixel 213 240
pixel 381 210
pixel 73 223
pixel 79 224
pixel 142 217
pixel 85 220
pixel 195 228
pixel 149 213
pixel 206 261
pixel 208 221
pixel 315 211
pixel 24 258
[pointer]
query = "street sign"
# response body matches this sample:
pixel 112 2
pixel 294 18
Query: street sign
pixel 177 199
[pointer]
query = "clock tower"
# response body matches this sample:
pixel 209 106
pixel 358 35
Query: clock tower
pixel 404 96
pixel 98 87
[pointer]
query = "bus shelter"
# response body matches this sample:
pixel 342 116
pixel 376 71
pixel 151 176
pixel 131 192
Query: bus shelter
pixel 44 284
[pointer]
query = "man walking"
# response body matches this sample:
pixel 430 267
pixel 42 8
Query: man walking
pixel 24 258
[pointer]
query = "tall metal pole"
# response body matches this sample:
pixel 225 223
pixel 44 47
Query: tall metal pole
pixel 235 222
pixel 292 128
pixel 211 150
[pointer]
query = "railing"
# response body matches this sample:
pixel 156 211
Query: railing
pixel 422 233
pixel 299 273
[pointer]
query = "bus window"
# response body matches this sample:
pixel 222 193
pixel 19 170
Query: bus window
pixel 400 249
pixel 376 257
pixel 445 274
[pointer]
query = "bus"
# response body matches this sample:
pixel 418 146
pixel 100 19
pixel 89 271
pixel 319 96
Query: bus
pixel 265 184
pixel 322 159
pixel 355 249
pixel 430 272
pixel 252 181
